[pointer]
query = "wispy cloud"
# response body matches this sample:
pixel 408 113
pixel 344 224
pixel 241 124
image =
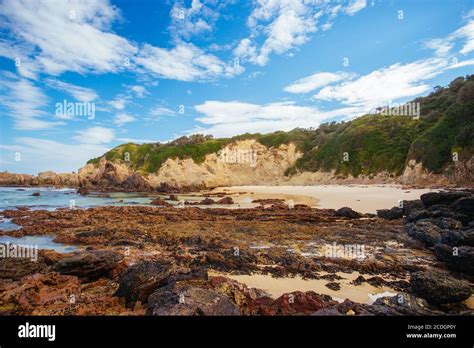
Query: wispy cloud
pixel 69 35
pixel 82 94
pixel 184 62
pixel 95 135
pixel 235 117
pixel 287 24
pixel 315 81
pixel 122 118
pixel 25 103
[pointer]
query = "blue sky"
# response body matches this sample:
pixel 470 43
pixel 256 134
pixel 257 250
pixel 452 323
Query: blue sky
pixel 157 70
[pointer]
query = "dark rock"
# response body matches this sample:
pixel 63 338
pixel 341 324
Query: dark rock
pixel 426 232
pixel 390 214
pixel 465 206
pixel 447 223
pixel 359 280
pixel 225 200
pixel 90 265
pixel 410 206
pixel 160 202
pixel 416 215
pixel 173 198
pixel 135 182
pixel 453 237
pixel 348 212
pixel 333 286
pixel 459 259
pixel 442 197
pixel 207 201
pixel 401 304
pixel 36 194
pixel 439 287
pixel 376 281
pixel 83 191
pixel 142 279
pixel 184 299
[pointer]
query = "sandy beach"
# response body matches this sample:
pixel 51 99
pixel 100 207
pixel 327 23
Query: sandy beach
pixel 362 198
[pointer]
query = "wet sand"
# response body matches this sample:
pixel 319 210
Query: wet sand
pixel 362 198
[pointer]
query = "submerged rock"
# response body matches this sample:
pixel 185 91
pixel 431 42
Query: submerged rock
pixel 83 191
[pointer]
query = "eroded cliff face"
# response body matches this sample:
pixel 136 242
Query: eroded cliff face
pixel 245 162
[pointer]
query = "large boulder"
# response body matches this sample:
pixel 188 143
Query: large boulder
pixel 439 287
pixel 140 280
pixel 459 259
pixel 185 299
pixel 442 197
pixel 426 232
pixel 410 206
pixel 89 265
pixel 348 212
pixel 416 215
pixel 390 214
pixel 465 206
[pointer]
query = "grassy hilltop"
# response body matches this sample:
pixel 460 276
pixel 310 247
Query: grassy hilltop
pixel 373 142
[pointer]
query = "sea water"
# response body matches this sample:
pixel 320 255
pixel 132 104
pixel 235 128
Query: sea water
pixel 53 198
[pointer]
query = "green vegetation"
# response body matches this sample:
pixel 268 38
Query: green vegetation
pixel 373 143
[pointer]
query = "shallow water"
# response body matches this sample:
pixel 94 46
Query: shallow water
pixel 52 198
pixel 8 225
pixel 364 293
pixel 41 242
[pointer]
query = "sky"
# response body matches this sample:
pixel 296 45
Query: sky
pixel 78 77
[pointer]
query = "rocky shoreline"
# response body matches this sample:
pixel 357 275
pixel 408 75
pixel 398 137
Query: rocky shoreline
pixel 147 260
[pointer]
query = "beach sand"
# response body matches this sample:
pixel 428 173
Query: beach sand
pixel 362 198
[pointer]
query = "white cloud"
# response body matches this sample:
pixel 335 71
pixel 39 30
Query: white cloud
pixel 95 135
pixel 184 62
pixel 444 46
pixel 287 24
pixel 82 94
pixel 122 118
pixel 197 19
pixel 39 155
pixel 140 91
pixel 384 85
pixel 355 6
pixel 119 103
pixel 60 40
pixel 161 111
pixel 24 102
pixel 315 81
pixel 235 117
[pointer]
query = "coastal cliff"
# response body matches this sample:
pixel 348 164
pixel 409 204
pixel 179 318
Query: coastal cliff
pixel 433 148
